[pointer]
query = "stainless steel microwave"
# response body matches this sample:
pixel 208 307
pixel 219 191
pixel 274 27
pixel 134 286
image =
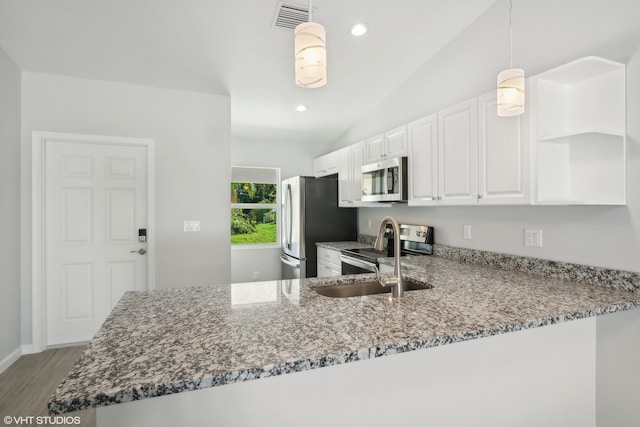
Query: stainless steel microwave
pixel 385 181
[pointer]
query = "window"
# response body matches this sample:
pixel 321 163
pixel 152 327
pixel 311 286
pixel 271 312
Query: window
pixel 254 206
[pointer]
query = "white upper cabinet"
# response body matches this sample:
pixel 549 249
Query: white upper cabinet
pixel 326 165
pixel 357 160
pixel 345 174
pixel 503 156
pixel 392 143
pixel 458 154
pixel 579 131
pixel 350 176
pixel 395 142
pixel 374 148
pixel 423 161
pixel 568 148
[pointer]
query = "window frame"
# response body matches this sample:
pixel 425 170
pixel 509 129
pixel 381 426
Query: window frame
pixel 276 206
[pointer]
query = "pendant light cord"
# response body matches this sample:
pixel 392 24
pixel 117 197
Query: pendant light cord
pixel 510 35
pixel 310 10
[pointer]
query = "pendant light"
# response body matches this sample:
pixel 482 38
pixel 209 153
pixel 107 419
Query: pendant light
pixel 510 93
pixel 310 54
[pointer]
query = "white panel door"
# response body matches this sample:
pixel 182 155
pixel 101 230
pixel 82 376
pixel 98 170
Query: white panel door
pixel 457 154
pixel 95 202
pixel 423 161
pixel 503 156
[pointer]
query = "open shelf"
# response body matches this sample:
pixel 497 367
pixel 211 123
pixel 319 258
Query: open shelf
pixel 580 133
pixel 581 69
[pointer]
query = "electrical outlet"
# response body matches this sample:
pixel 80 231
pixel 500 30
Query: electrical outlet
pixel 190 226
pixel 466 232
pixel 533 237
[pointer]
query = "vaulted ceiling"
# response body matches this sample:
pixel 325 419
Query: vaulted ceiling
pixel 231 47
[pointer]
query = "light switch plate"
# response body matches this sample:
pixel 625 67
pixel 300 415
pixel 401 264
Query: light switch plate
pixel 533 237
pixel 190 226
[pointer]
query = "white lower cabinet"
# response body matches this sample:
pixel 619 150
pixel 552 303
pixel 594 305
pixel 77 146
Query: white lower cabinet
pixel 329 263
pixel 384 269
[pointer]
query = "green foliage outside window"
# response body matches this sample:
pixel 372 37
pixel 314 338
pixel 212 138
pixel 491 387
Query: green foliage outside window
pixel 253 225
pixel 249 192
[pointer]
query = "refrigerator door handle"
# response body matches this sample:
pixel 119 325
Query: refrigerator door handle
pixel 288 214
pixel 286 261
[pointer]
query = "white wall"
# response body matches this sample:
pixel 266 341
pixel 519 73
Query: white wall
pixel 293 159
pixel 9 207
pixel 618 335
pixel 192 151
pixel 617 369
pixel 546 33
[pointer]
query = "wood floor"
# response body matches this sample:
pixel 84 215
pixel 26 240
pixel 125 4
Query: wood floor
pixel 25 387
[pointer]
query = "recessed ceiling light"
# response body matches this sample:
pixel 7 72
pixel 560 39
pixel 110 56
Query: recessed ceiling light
pixel 301 108
pixel 359 29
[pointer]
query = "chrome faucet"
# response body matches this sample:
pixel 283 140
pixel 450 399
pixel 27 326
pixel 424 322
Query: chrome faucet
pixel 396 280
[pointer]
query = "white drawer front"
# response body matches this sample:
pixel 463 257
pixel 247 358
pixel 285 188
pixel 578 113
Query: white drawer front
pixel 329 256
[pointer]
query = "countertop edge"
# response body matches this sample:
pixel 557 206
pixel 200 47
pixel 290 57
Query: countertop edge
pixel 144 392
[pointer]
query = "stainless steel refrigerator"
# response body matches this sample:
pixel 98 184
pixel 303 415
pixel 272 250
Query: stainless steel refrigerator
pixel 310 214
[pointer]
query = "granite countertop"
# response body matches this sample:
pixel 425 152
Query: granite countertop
pixel 168 341
pixel 338 246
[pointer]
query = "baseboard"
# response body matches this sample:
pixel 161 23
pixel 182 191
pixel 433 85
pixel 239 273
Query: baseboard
pixel 8 361
pixel 27 349
pixel 67 345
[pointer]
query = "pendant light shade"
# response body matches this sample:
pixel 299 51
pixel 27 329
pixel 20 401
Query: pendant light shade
pixel 511 92
pixel 311 55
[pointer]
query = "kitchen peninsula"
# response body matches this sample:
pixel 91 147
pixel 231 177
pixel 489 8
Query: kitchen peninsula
pixel 210 341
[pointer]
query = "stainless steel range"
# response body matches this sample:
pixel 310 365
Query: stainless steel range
pixel 414 240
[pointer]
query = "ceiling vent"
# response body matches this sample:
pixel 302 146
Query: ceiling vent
pixel 288 15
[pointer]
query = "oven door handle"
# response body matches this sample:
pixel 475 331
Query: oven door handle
pixel 358 263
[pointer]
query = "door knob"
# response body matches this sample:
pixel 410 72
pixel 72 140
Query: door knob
pixel 141 251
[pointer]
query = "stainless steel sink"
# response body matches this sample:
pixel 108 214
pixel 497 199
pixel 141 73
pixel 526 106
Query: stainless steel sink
pixel 359 289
